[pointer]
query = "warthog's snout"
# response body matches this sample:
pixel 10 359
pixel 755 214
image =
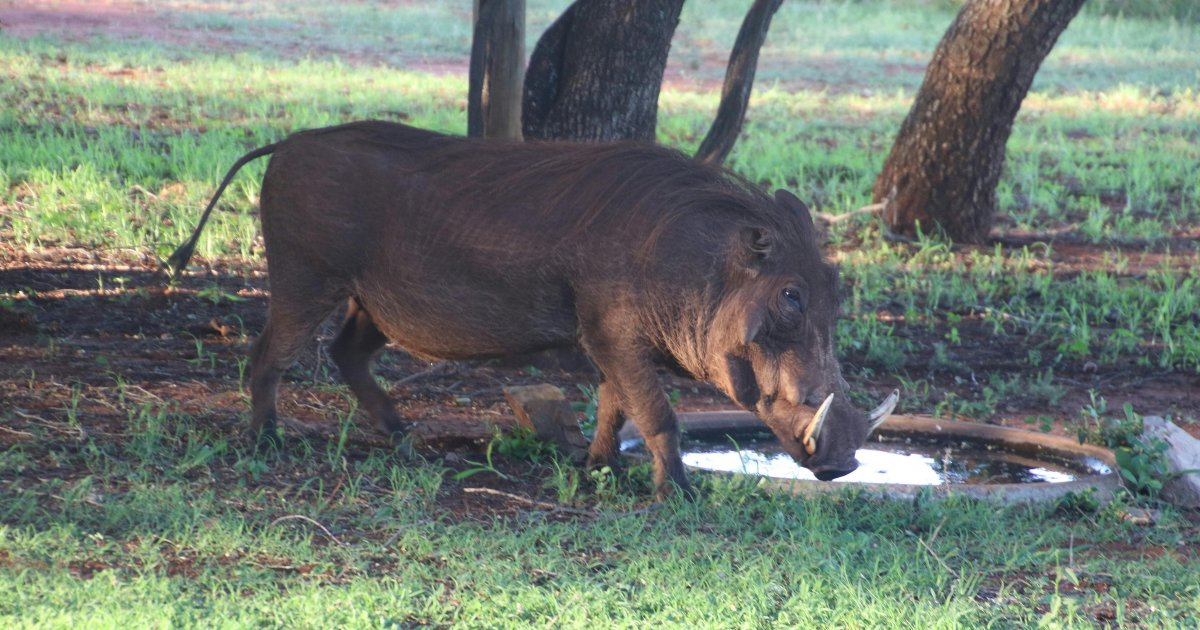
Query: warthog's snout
pixel 825 473
pixel 835 431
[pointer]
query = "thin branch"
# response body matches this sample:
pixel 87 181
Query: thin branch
pixel 937 557
pixel 929 548
pixel 148 393
pixel 309 520
pixel 555 507
pixel 29 416
pixel 653 507
pixel 79 432
pixel 88 500
pixel 545 505
pixel 838 218
pixel 24 434
pixel 434 370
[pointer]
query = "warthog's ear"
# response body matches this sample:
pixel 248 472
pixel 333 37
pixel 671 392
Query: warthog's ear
pixel 757 243
pixel 788 201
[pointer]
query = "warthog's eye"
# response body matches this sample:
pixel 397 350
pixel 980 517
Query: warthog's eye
pixel 792 298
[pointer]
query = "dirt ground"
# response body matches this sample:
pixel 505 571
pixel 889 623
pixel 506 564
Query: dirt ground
pixel 98 328
pixel 95 320
pixel 75 21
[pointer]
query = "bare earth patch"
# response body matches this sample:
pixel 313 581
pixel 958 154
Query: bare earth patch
pixel 80 21
pixel 86 320
pixel 75 21
pixel 135 21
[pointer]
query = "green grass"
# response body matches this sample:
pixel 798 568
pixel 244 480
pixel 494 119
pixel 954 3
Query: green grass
pixel 117 144
pixel 160 531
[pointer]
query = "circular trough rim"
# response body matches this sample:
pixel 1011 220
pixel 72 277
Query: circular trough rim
pixel 1016 440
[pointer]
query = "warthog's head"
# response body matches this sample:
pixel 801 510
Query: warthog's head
pixel 771 344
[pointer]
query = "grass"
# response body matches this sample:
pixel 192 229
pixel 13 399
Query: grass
pixel 176 526
pixel 116 144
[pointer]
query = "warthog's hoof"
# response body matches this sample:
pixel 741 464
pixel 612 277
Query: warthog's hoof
pixel 402 443
pixel 267 440
pixel 612 462
pixel 670 489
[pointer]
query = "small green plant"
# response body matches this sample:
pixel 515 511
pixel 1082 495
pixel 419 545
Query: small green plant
pixel 253 464
pixel 1143 465
pixel 1142 460
pixel 564 480
pixel 242 363
pixel 203 355
pixel 942 360
pixel 200 450
pixel 215 294
pixel 591 402
pixel 605 482
pixel 523 444
pixel 72 407
pixel 1045 423
pixel 1095 425
pixel 418 485
pixel 1084 501
pixel 335 453
pixel 954 405
pixel 484 466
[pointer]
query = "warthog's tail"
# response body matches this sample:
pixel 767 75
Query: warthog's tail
pixel 179 259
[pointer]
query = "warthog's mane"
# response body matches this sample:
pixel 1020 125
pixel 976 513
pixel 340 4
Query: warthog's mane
pixel 621 187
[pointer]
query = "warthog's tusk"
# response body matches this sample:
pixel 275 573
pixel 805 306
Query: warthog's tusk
pixel 814 427
pixel 881 413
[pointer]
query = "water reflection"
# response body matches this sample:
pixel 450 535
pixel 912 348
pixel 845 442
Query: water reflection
pixel 900 463
pixel 882 466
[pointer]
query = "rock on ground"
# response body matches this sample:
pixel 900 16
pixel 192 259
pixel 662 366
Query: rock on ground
pixel 1183 454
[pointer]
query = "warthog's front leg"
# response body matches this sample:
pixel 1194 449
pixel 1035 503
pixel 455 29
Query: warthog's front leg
pixel 639 393
pixel 605 449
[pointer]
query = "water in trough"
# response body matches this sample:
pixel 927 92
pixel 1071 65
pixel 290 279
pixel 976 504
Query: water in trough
pixel 909 461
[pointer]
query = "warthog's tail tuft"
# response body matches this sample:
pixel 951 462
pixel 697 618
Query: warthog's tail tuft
pixel 182 254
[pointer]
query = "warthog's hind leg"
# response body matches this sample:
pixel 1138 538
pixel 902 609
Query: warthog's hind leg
pixel 288 328
pixel 352 351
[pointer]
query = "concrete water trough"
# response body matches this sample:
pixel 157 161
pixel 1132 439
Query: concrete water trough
pixel 907 456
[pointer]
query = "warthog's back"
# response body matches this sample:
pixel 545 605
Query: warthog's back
pixel 461 247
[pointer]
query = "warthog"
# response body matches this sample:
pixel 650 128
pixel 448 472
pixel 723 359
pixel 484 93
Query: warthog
pixel 456 248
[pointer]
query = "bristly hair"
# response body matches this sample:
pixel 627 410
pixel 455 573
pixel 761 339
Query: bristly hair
pixel 635 187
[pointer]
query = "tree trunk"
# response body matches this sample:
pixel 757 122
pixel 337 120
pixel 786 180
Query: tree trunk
pixel 739 79
pixel 944 167
pixel 595 74
pixel 497 69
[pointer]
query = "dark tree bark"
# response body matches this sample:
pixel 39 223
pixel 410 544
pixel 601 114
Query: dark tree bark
pixel 739 79
pixel 943 169
pixel 595 74
pixel 497 69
